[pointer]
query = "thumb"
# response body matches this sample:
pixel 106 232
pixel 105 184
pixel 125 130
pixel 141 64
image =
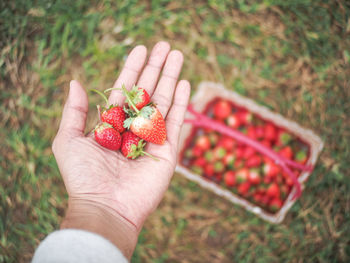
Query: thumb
pixel 75 111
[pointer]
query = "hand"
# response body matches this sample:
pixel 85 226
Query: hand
pixel 103 186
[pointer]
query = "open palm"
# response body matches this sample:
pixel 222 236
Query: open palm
pixel 132 188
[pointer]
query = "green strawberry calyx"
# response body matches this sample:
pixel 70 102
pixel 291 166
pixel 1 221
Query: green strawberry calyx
pixel 145 112
pixel 135 94
pixel 137 150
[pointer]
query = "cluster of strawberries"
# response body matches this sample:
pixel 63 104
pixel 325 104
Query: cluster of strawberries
pixel 128 128
pixel 239 167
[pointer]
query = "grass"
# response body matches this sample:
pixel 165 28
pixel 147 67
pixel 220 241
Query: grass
pixel 292 56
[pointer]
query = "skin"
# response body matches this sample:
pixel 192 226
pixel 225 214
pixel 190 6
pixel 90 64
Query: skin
pixel 108 193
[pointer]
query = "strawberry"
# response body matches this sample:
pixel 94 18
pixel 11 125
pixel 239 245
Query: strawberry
pixel 266 143
pixel 229 178
pixel 239 152
pixel 271 169
pixel 242 175
pixel 243 189
pixel 251 132
pixel 286 152
pixel 115 116
pixel 148 124
pixel 284 191
pixel 219 167
pixel 196 151
pixel 200 162
pixel 107 136
pixel 283 138
pixel 229 159
pixel 132 146
pixel 239 163
pixel 270 132
pixel 209 169
pixel 301 157
pixel 273 190
pixel 222 109
pixel 253 161
pixel 254 176
pixel 203 142
pixel 227 142
pixel 245 117
pixel 214 138
pixel 209 156
pixel 275 204
pixel 219 152
pixel 196 169
pixel 138 96
pixel 233 121
pixel 259 132
pixel 248 152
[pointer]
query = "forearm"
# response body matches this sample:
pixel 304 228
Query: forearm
pixel 96 218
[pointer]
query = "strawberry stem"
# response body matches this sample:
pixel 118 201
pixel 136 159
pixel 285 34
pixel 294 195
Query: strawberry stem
pixel 101 94
pixel 126 94
pixel 150 155
pixel 107 90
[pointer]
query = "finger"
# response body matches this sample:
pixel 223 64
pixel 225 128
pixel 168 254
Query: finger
pixel 150 73
pixel 129 74
pixel 163 95
pixel 177 112
pixel 75 110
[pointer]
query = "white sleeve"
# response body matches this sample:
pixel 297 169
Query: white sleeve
pixel 72 245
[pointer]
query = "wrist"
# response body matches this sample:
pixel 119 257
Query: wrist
pixel 100 219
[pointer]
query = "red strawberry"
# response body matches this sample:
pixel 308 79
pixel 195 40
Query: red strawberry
pixel 259 131
pixel 275 204
pixel 283 138
pixel 230 178
pixel 251 132
pixel 248 152
pixel 254 176
pixel 239 151
pixel 257 197
pixel 242 175
pixel 239 163
pixel 286 152
pixel 200 161
pixel 209 169
pixel 270 169
pixel 107 136
pixel 243 189
pixel 227 142
pixel 203 142
pixel 138 96
pixel 253 161
pixel 148 124
pixel 301 157
pixel 196 151
pixel 266 143
pixel 233 121
pixel 284 191
pixel 229 159
pixel 222 109
pixel 132 146
pixel 273 190
pixel 115 116
pixel 245 117
pixel 270 132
